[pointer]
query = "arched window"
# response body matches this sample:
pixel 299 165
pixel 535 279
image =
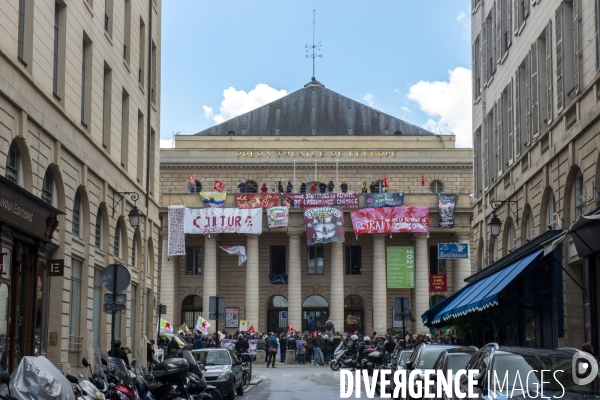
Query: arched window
pixel 277 310
pixel 13 163
pixel 133 251
pixel 530 227
pixel 48 186
pixel 436 186
pixel 98 230
pixel 277 302
pixel 354 314
pixel 580 195
pixel 434 300
pixel 76 215
pixel 512 238
pixel 251 187
pixel 551 215
pixel 117 241
pixel 315 311
pixel 191 309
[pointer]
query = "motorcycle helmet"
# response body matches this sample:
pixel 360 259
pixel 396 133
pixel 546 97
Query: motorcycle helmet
pixel 354 338
pixel 367 339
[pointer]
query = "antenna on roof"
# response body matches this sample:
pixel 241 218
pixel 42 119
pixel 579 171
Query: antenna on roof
pixel 313 47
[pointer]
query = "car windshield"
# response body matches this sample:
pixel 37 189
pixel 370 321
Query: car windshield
pixel 511 372
pixel 404 357
pixel 458 361
pixel 429 356
pixel 213 357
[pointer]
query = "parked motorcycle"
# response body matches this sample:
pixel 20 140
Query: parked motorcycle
pixel 341 359
pixel 198 384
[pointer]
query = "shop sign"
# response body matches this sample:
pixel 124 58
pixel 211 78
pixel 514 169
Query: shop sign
pixel 56 267
pixel 438 283
pixel 447 251
pixel 400 267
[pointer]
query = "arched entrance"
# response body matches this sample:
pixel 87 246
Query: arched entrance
pixel 191 309
pixel 315 307
pixel 277 310
pixel 354 315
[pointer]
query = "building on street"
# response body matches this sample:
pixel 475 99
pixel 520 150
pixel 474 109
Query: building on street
pixel 312 136
pixel 79 125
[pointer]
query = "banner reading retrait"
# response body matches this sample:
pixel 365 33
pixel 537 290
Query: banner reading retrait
pixel 447 205
pixel 390 219
pixel 401 267
pixel 223 220
pixel 324 224
pixel 334 199
pixel 384 199
pixel 256 200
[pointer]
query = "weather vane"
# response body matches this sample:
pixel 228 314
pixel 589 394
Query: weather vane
pixel 313 48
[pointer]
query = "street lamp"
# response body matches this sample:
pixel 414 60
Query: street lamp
pixel 135 217
pixel 495 225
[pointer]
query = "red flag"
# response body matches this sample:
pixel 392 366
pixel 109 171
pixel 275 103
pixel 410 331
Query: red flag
pixel 422 180
pixel 219 186
pixel 251 329
pixel 290 328
pixel 385 184
pixel 314 333
pixel 192 179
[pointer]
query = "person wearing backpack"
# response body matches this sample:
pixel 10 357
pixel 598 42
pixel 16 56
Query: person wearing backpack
pixel 272 346
pixel 173 348
pixel 300 351
pixel 329 327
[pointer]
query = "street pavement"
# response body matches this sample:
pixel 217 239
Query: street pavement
pixel 294 382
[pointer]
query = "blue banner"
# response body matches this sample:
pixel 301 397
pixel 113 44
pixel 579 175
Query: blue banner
pixel 278 279
pixel 453 250
pixel 384 199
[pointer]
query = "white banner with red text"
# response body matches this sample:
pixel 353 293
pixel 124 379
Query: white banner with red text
pixel 223 220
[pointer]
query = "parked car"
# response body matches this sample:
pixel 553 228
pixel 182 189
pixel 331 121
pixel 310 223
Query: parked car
pixel 424 357
pixel 504 361
pixel 223 370
pixel 399 363
pixel 450 361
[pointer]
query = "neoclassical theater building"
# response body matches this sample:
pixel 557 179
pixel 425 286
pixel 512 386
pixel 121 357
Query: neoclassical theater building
pixel 311 135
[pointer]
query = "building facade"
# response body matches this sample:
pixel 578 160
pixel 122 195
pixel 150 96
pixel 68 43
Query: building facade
pixel 535 130
pixel 313 135
pixel 79 122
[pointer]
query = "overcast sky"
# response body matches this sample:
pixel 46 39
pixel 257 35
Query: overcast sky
pixel 410 59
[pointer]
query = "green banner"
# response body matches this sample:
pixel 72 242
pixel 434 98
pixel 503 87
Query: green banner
pixel 400 267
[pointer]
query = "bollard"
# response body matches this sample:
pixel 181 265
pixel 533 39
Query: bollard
pixel 290 357
pixel 260 357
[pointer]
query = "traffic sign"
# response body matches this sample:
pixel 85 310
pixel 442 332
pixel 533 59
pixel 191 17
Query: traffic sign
pixel 216 304
pixel 123 278
pixel 118 308
pixel 453 250
pixel 120 298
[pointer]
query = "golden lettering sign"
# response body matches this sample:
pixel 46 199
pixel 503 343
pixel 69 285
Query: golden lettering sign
pixel 314 154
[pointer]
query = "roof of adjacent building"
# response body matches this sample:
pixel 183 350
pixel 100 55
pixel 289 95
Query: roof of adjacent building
pixel 314 111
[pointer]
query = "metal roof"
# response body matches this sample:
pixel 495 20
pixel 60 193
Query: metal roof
pixel 314 111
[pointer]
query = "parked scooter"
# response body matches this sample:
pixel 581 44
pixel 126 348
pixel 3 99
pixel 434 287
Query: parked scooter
pixel 341 359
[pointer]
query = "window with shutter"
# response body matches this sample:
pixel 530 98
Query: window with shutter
pixel 576 48
pixel 535 112
pixel 597 28
pixel 484 48
pixel 486 149
pixel 548 43
pixel 509 122
pixel 508 25
pixel 492 41
pixel 560 89
pixel 477 163
pixel 527 127
pixel 499 133
pixel 498 11
pixel 515 13
pixel 518 112
pixel 494 140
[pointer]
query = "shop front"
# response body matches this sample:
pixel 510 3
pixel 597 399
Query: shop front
pixel 27 224
pixel 516 301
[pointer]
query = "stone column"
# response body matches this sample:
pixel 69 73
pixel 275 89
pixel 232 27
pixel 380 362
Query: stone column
pixel 380 321
pixel 294 281
pixel 462 266
pixel 167 283
pixel 210 276
pixel 336 303
pixel 421 298
pixel 252 282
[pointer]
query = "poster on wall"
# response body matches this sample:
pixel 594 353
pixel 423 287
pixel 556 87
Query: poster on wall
pixel 390 220
pixel 447 205
pixel 384 200
pixel 278 216
pixel 438 283
pixel 223 220
pixel 256 200
pixel 324 224
pixel 232 315
pixel 213 199
pixel 333 199
pixel 401 267
pixel 176 231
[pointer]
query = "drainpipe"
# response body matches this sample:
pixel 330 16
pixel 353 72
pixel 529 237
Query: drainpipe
pixel 149 108
pixel 483 154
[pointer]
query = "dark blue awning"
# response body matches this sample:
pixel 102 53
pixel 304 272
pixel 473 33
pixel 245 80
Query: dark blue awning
pixel 478 295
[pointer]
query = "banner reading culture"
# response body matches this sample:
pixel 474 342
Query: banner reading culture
pixel 333 199
pixel 223 220
pixel 390 219
pixel 278 216
pixel 384 199
pixel 324 224
pixel 256 200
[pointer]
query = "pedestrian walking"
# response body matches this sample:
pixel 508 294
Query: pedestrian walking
pixel 150 353
pixel 316 345
pixel 272 350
